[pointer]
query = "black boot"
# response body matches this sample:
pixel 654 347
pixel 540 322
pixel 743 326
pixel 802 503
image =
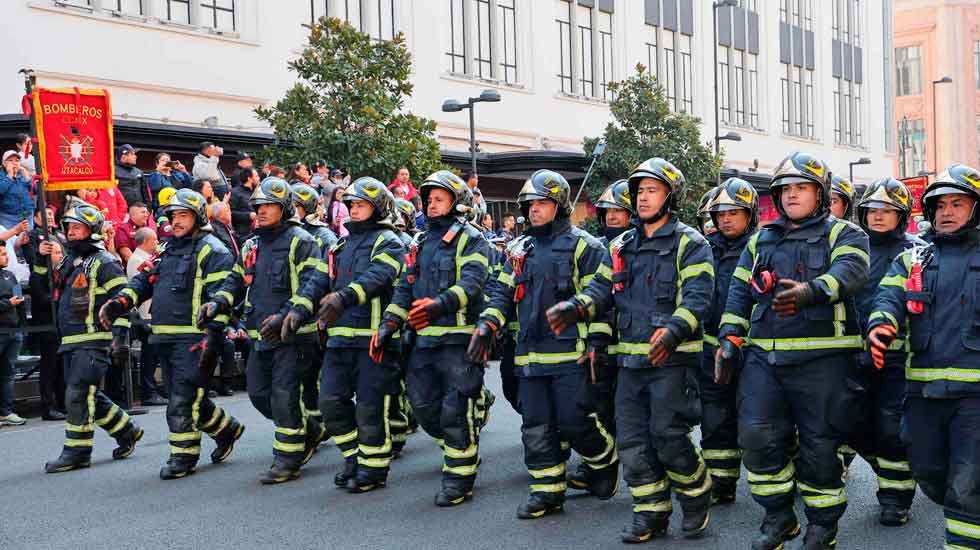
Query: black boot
pixel 645 526
pixel 820 537
pixel 176 469
pixel 538 505
pixel 893 515
pixel 777 528
pixel 67 463
pixel 226 443
pixel 722 492
pixel 316 433
pixel 604 483
pixel 127 442
pixel 579 479
pixel 350 470
pixel 695 522
pixel 278 473
pixel 363 484
pixel 453 496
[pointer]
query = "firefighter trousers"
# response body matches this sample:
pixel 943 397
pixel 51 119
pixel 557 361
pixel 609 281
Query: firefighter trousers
pixel 719 425
pixel 87 405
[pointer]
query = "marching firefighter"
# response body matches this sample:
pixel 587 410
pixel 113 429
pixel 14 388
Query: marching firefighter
pixel 400 417
pixel 841 197
pixel 659 277
pixel 735 214
pixel 187 273
pixel 274 264
pixel 440 295
pixel 793 296
pixel 352 294
pixel 83 282
pixel 550 263
pixel 934 291
pixel 883 213
pixel 705 225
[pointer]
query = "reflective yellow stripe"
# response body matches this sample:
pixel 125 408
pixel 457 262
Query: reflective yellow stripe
pixel 893 280
pixel 174 329
pixel 123 421
pixel 113 283
pixel 721 454
pixel 359 290
pixel 963 528
pixel 576 280
pixel 902 466
pixel 79 442
pixel 687 479
pixel 185 451
pixel 697 269
pixel 662 506
pixel 397 311
pixel 605 271
pixel 885 315
pixel 460 470
pixel 697 491
pixel 825 497
pixel 108 416
pixel 553 471
pixel 725 472
pixel 289 447
pixel 302 301
pixel 131 294
pixel 732 319
pixel 548 488
pixel 951 374
pixel 290 431
pixel 122 322
pixel 217 276
pixel 550 358
pixel 649 488
pixel 348 332
pixel 84 428
pixel 743 274
pixel 198 280
pixel 345 438
pixel 686 315
pixel 468 452
pixel 185 436
pixel 832 285
pixel 506 278
pixel 600 328
pixel 238 269
pixel 442 331
pixel 496 314
pixel 373 462
pixel 844 250
pixel 835 232
pixel 40 270
pixel 711 340
pixel 384 257
pixel 460 295
pixel 777 489
pixel 785 474
pixel 226 295
pixel 903 485
pixel 803 344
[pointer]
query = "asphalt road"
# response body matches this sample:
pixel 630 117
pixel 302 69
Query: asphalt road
pixel 123 504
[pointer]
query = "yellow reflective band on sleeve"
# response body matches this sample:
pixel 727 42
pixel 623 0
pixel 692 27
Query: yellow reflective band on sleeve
pixel 113 283
pixel 216 276
pixel 893 280
pixel 496 314
pixel 460 295
pixel 238 269
pixel 226 295
pixel 384 257
pixel 122 322
pixel 302 301
pixel 885 315
pixel 478 258
pixel 710 340
pixel 963 528
pixel 753 241
pixel 40 270
pixel 649 488
pixel 131 294
pixel 691 346
pixel 697 269
pixel 359 290
pixel 600 328
pixel 951 374
pixel 743 274
pixel 87 337
pixel 687 316
pixel 506 278
pixel 832 285
pixel 397 311
pixel 805 344
pixel 732 319
pixel 576 280
pixel 844 250
pixel 605 271
pixel 835 232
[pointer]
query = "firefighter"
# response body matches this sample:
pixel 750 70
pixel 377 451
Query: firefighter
pixel 440 295
pixel 659 276
pixel 306 202
pixel 272 267
pixel 883 213
pixel 841 197
pixel 84 280
pixel 550 263
pixel 187 272
pixel 735 213
pixel 793 296
pixel 352 294
pixel 934 291
pixel 405 214
pixel 705 225
pixel 400 417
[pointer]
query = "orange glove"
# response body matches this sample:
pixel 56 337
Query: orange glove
pixel 879 339
pixel 424 311
pixel 385 332
pixel 662 344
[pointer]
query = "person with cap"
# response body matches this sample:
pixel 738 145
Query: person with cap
pixel 129 179
pixel 16 204
pixel 207 167
pixel 841 197
pixel 791 312
pixel 179 279
pixel 243 163
pixel 84 281
pixel 883 213
pixel 439 295
pixel 734 212
pixel 352 291
pixel 551 262
pixel 273 266
pixel 933 292
pixel 660 278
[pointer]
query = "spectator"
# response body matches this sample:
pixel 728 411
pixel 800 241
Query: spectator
pixel 337 213
pixel 299 173
pixel 220 214
pixel 276 172
pixel 206 168
pixel 51 378
pixel 321 175
pixel 243 163
pixel 24 146
pixel 509 222
pixel 242 215
pixel 403 185
pixel 419 214
pixel 478 198
pixel 337 178
pixel 487 225
pixel 206 190
pixel 36 235
pixel 168 173
pixel 146 244
pixel 129 178
pixel 16 238
pixel 15 184
pixel 139 217
pixel 11 317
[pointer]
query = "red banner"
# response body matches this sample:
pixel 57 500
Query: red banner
pixel 74 135
pixel 917 187
pixel 767 210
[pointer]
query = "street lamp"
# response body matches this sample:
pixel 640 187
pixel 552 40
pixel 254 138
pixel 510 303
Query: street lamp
pixel 730 136
pixel 454 106
pixel 935 129
pixel 858 162
pixel 714 48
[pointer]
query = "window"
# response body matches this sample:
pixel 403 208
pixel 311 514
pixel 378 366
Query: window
pixel 738 64
pixel 724 75
pixel 670 76
pixel 686 81
pixel 353 14
pixel 179 11
pixel 131 7
pixel 847 69
pixel 457 37
pixel 508 30
pixel 78 3
pixel 318 9
pixel 912 146
pixel 483 50
pixel 385 27
pixel 583 19
pixel 605 73
pixel 796 54
pixel 564 20
pixel 908 70
pixel 218 14
pixel 653 55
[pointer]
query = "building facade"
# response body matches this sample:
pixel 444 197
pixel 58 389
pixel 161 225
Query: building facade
pixel 815 75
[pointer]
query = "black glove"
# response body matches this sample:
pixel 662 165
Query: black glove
pixel 480 342
pixel 112 310
pixel 331 307
pixel 728 358
pixel 290 325
pixel 380 340
pixel 564 314
pixel 271 328
pixel 207 312
pixel 794 297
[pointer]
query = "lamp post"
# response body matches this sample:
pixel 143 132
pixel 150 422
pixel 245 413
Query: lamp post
pixel 935 129
pixel 858 162
pixel 454 106
pixel 730 136
pixel 714 49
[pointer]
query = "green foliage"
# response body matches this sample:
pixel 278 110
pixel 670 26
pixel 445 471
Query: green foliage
pixel 347 107
pixel 643 127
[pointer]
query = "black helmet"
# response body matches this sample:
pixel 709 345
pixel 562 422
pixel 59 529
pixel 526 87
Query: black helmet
pixel 273 190
pixel 374 192
pixel 734 194
pixel 452 184
pixel 663 171
pixel 405 213
pixel 801 168
pixel 704 217
pixel 617 195
pixel 309 199
pixel 188 199
pixel 546 185
pixel 845 189
pixel 886 193
pixel 958 178
pixel 84 213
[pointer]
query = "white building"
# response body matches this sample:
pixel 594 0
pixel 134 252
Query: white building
pixel 795 74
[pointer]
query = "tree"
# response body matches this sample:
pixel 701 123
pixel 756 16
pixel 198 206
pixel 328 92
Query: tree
pixel 347 107
pixel 643 127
